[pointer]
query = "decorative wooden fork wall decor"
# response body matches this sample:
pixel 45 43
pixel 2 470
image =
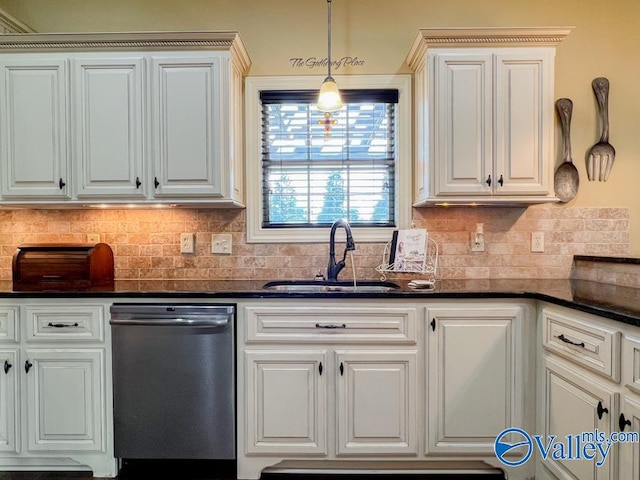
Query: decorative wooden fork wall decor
pixel 601 156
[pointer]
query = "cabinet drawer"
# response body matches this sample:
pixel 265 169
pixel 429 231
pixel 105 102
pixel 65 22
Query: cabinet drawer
pixel 593 346
pixel 81 323
pixel 631 363
pixel 8 324
pixel 330 324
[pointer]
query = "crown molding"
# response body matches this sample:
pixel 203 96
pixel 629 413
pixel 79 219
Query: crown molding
pixel 124 41
pixel 470 37
pixel 11 24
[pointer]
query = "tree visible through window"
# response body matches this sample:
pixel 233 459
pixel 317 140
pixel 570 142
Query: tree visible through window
pixel 311 178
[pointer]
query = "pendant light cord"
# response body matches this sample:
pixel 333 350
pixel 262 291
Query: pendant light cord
pixel 329 39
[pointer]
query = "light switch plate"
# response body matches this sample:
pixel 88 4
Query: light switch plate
pixel 221 243
pixel 187 243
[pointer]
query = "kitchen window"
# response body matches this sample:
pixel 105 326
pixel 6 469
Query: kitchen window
pixel 305 170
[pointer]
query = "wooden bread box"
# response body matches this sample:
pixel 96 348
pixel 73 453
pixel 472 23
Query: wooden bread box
pixel 63 266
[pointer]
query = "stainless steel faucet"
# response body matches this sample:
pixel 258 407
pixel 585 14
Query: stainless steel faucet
pixel 334 267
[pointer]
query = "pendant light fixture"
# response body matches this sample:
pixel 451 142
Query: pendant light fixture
pixel 329 98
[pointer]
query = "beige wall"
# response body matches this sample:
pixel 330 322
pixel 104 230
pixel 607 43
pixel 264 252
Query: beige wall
pixel 604 42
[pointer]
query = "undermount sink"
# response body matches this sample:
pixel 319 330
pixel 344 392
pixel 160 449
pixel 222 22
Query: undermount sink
pixel 324 286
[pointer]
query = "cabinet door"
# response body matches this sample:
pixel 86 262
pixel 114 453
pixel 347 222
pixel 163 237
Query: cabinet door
pixel 108 126
pixel 462 122
pixel 65 399
pixel 524 122
pixel 33 132
pixel 286 402
pixel 629 466
pixel 187 124
pixel 9 412
pixel 376 402
pixel 475 377
pixel 574 402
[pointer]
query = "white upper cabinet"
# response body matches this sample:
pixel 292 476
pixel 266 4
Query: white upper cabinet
pixel 33 132
pixel 141 117
pixel 108 126
pixel 484 115
pixel 187 125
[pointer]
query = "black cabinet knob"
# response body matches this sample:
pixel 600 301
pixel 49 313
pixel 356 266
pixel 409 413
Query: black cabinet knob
pixel 601 410
pixel 7 366
pixel 623 422
pixel 488 181
pixel 27 366
pixel 61 184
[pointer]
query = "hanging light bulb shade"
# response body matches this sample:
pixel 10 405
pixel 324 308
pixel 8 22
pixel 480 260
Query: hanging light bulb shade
pixel 329 97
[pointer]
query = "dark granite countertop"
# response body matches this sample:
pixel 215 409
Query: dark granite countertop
pixel 610 301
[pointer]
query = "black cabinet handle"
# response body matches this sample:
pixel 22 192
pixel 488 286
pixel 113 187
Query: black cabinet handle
pixel 27 366
pixel 566 340
pixel 320 369
pixel 501 181
pixel 341 369
pixel 62 325
pixel 61 184
pixel 433 324
pixel 7 366
pixel 601 410
pixel 623 422
pixel 138 182
pixel 331 326
pixel 156 182
pixel 488 182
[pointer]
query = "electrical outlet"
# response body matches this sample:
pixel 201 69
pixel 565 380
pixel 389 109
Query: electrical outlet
pixel 187 243
pixel 93 238
pixel 221 243
pixel 537 242
pixel 477 242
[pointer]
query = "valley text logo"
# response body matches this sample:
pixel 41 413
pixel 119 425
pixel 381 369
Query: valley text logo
pixel 594 445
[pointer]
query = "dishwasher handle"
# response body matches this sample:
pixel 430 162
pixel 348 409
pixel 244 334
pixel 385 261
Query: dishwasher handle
pixel 173 322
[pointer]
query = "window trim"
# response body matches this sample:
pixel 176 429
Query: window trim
pixel 253 121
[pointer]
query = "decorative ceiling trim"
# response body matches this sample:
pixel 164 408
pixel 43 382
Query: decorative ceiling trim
pixel 140 41
pixel 10 24
pixel 483 37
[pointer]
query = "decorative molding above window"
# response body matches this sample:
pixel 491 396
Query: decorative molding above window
pixel 10 24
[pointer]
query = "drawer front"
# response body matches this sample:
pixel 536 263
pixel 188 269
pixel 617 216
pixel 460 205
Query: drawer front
pixel 631 363
pixel 50 323
pixel 330 324
pixel 587 343
pixel 8 324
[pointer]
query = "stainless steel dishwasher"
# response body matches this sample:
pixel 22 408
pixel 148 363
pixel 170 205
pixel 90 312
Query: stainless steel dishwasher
pixel 174 381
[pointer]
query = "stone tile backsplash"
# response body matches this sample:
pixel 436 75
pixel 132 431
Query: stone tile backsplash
pixel 146 242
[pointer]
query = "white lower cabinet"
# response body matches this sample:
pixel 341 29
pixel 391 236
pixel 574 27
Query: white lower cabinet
pixel 477 373
pixel 590 382
pixel 629 422
pixel 376 402
pixel 64 390
pixel 55 389
pixel 286 401
pixel 289 412
pixel 9 413
pixel 341 380
pixel 576 402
